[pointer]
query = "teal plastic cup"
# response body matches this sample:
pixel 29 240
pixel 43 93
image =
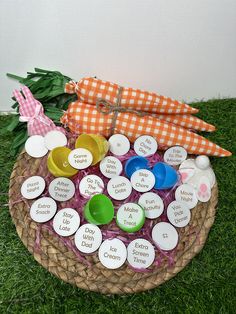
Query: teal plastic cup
pixel 165 175
pixel 99 210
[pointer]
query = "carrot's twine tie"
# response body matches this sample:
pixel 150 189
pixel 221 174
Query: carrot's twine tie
pixel 105 107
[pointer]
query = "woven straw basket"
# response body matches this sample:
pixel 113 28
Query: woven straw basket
pixel 60 260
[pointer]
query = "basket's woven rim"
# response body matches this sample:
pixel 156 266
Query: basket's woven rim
pixel 61 261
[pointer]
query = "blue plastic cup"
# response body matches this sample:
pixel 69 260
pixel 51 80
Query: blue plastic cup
pixel 135 163
pixel 166 176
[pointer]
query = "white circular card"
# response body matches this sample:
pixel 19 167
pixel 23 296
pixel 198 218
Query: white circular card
pixel 91 185
pixel 165 236
pixel 119 144
pixel 35 146
pixel 145 145
pixel 80 158
pixel 88 238
pixel 178 214
pixel 61 189
pixel 129 216
pixel 112 253
pixel 110 167
pixel 54 139
pixel 66 222
pixel 142 180
pixel 33 187
pixel 140 253
pixel 119 188
pixel 175 155
pixel 43 209
pixel 152 204
pixel 185 193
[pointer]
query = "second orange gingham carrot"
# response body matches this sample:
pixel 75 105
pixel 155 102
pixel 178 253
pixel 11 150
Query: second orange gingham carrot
pixel 85 118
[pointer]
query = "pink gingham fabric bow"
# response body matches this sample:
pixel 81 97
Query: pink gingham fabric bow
pixel 31 111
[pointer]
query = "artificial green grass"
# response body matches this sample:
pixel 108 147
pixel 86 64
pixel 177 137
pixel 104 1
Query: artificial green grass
pixel 206 285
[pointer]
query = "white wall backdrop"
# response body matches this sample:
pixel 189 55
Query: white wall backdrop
pixel 184 49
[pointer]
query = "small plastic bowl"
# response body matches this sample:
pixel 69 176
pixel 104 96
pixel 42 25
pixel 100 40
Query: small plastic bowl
pixel 166 176
pixel 96 144
pixel 99 210
pixel 135 163
pixel 58 163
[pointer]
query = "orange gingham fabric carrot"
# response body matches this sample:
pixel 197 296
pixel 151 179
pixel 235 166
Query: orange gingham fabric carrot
pixel 86 118
pixel 90 89
pixel 186 121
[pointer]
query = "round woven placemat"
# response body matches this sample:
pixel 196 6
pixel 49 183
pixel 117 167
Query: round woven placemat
pixel 60 260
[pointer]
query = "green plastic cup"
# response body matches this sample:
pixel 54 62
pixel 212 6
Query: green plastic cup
pixel 99 210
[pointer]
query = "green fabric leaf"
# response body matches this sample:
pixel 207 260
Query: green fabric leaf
pixel 13 124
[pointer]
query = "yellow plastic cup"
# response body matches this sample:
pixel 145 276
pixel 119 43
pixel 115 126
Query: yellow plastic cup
pixel 58 163
pixel 96 144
